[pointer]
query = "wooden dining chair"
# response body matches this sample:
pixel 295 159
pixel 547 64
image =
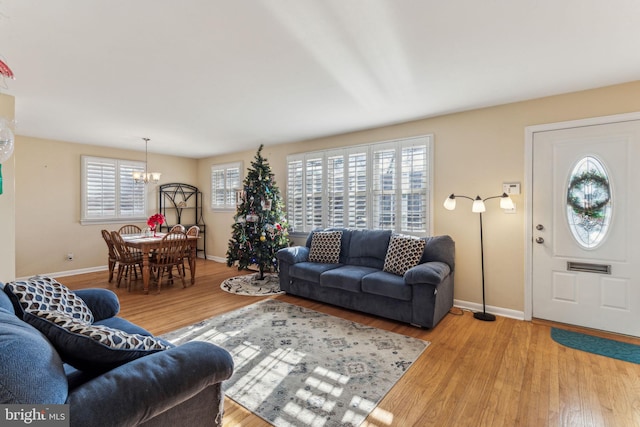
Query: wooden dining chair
pixel 193 231
pixel 170 253
pixel 130 229
pixel 177 227
pixel 128 259
pixel 112 256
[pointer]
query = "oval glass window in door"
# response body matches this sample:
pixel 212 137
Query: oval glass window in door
pixel 589 202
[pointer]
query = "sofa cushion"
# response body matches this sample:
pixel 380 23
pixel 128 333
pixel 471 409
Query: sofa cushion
pixel 403 253
pixel 310 271
pixel 347 277
pixel 47 294
pixel 93 348
pixel 31 371
pixel 387 285
pixel 368 248
pixel 325 247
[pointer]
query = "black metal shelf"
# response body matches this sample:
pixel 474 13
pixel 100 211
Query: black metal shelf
pixel 176 198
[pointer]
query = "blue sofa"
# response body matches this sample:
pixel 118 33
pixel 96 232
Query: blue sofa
pixel 421 296
pixel 180 385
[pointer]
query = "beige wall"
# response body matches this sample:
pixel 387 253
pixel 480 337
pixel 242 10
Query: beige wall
pixel 7 203
pixel 475 152
pixel 48 203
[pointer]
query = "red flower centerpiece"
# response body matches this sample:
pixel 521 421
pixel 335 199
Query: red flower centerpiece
pixel 154 221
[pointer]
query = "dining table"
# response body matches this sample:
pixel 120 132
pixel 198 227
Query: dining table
pixel 148 244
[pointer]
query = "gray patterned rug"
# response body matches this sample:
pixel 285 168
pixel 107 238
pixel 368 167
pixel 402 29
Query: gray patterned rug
pixel 249 284
pixel 295 366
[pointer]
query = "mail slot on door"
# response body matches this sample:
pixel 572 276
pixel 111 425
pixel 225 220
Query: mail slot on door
pixel 587 267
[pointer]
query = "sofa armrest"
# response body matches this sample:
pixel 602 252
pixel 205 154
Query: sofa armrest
pixel 140 390
pixel 432 273
pixel 103 303
pixel 293 254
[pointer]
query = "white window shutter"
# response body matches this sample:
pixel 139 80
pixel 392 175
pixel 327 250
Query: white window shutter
pixel 226 179
pixel 108 191
pixel 384 185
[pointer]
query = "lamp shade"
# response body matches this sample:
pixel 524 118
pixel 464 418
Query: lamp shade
pixel 450 203
pixel 506 202
pixel 478 205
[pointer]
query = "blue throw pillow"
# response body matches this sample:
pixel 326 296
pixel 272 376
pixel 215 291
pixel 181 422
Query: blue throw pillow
pixel 92 348
pixel 30 369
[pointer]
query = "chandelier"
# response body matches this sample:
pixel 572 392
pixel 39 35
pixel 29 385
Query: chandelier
pixel 146 177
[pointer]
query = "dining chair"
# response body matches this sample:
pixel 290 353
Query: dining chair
pixel 128 259
pixel 169 254
pixel 112 257
pixel 193 231
pixel 130 229
pixel 177 227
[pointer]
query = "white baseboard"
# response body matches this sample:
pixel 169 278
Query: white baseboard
pixel 498 311
pixel 68 272
pixel 93 270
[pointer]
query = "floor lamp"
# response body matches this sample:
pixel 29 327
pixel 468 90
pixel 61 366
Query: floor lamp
pixel 479 207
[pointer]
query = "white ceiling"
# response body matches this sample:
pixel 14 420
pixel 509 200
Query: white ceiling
pixel 207 77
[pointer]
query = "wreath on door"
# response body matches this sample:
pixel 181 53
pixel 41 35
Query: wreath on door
pixel 600 194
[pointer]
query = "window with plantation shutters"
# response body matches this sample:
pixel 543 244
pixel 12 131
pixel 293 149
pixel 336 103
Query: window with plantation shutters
pixel 384 188
pixel 313 193
pixel 226 179
pixel 109 193
pixel 357 189
pixel 335 191
pixel 295 194
pixel 378 186
pixel 414 189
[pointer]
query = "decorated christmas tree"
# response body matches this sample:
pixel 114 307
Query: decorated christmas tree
pixel 260 227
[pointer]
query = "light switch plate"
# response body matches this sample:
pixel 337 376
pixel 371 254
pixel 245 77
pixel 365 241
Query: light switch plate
pixel 511 188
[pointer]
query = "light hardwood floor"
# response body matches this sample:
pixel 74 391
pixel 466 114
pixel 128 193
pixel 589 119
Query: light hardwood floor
pixel 474 373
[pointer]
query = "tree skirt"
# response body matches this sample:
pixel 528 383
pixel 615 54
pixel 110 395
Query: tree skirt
pixel 298 367
pixel 249 284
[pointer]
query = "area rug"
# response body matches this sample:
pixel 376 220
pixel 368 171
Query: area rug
pixel 295 366
pixel 249 284
pixel 602 346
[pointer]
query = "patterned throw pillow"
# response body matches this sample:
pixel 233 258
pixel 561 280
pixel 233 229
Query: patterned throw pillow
pixel 44 293
pixel 93 348
pixel 325 247
pixel 403 253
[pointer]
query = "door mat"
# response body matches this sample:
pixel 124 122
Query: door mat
pixel 597 345
pixel 295 366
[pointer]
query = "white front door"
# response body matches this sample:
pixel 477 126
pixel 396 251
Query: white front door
pixel 585 226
